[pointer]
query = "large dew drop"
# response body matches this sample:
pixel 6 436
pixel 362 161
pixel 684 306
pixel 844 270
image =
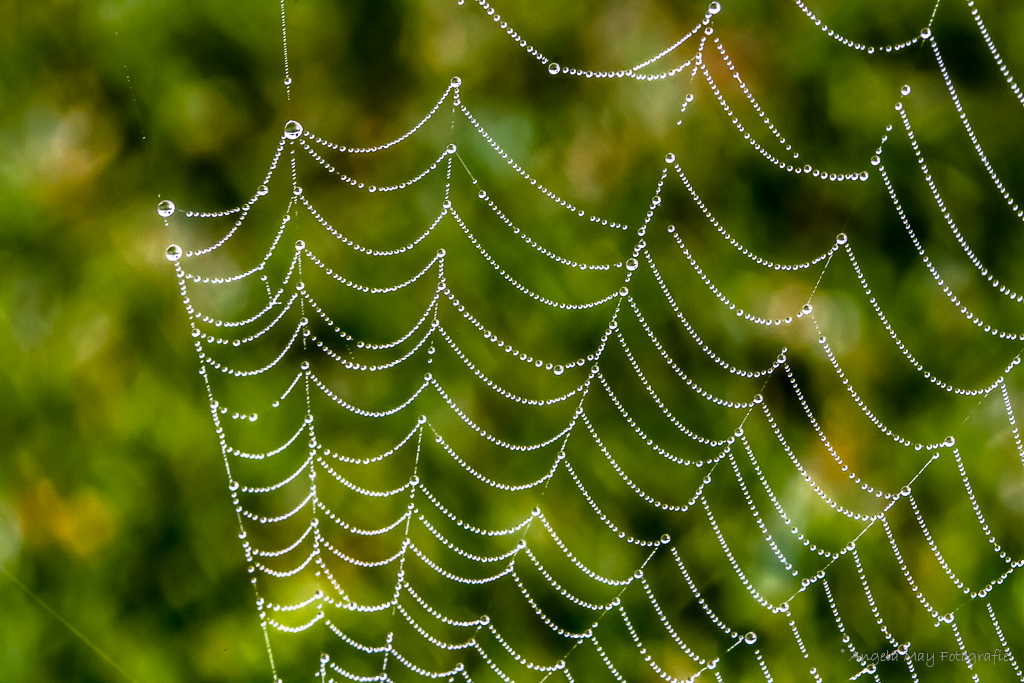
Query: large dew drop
pixel 714 8
pixel 165 208
pixel 750 638
pixel 292 130
pixel 905 90
pixel 632 264
pixel 173 253
pixel 554 68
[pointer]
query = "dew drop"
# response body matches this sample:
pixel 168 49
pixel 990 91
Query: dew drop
pixel 431 350
pixel 670 158
pixel 666 539
pixel 750 638
pixel 262 190
pixel 558 369
pixel 173 253
pixel 905 90
pixel 807 309
pixel 165 208
pixel 714 8
pixel 305 365
pixel 926 33
pixel 632 264
pixel 456 82
pixel 288 81
pixel 841 238
pixel 292 129
pixel 452 148
pixel 876 160
pixel 554 68
pixel 299 245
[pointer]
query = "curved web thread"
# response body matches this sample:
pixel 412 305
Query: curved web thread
pixel 423 494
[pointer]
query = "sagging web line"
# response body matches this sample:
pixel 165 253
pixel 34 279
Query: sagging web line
pixel 304 298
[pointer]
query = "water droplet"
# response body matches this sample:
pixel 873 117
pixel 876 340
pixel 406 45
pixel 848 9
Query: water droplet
pixel 758 399
pixel 670 158
pixel 714 8
pixel 876 160
pixel 807 309
pixel 456 82
pixel 926 33
pixel 750 638
pixel 841 238
pixel 299 245
pixel 165 208
pixel 452 148
pixel 558 369
pixel 305 365
pixel 905 90
pixel 288 81
pixel 262 190
pixel 447 204
pixel 624 291
pixel 173 253
pixel 484 620
pixel 431 350
pixel 554 68
pixel 482 194
pixel 292 129
pixel 632 264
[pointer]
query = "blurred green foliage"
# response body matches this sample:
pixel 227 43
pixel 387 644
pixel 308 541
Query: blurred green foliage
pixel 112 496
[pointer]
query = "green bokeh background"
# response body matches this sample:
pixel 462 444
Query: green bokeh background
pixel 112 496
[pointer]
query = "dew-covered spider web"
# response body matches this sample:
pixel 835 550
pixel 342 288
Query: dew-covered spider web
pixel 735 402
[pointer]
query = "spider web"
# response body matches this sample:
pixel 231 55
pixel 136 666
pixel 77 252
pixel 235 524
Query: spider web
pixel 475 430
